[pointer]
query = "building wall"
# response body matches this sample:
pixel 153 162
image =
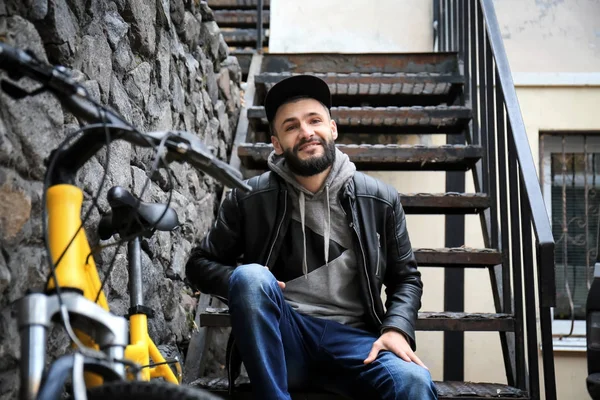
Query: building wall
pixel 551 35
pixel 554 51
pixel 350 26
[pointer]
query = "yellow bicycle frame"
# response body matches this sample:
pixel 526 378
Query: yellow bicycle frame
pixel 77 270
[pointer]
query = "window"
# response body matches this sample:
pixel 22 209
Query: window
pixel 570 177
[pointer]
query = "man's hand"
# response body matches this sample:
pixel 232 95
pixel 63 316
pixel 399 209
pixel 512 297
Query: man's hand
pixel 395 342
pixel 281 284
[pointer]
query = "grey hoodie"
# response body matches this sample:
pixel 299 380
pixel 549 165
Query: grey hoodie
pixel 317 259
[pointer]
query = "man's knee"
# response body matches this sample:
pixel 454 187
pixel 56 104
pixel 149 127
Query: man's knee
pixel 417 384
pixel 249 280
pixel 410 380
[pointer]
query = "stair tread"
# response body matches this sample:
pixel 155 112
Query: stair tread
pixel 374 120
pixel 475 390
pixel 390 157
pixel 426 321
pixel 371 84
pixel 461 321
pixel 342 111
pixel 458 256
pixel 239 4
pixel 443 62
pixel 239 36
pixel 446 203
pixel 446 389
pixel 239 18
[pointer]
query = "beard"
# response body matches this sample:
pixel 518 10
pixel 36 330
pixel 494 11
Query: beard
pixel 312 165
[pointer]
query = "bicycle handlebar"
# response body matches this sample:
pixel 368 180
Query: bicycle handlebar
pixel 182 146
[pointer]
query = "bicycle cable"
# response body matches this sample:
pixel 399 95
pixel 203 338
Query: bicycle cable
pixel 109 271
pixel 159 158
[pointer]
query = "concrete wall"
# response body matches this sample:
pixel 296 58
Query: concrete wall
pixel 542 36
pixel 350 26
pixel 551 35
pixel 554 51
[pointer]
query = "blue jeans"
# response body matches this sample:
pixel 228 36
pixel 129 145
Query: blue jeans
pixel 283 349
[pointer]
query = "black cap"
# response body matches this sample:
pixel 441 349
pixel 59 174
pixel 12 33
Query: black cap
pixel 299 85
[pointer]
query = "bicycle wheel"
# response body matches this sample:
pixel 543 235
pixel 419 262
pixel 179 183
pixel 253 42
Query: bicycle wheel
pixel 155 390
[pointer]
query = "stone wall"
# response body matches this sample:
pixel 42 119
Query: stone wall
pixel 162 64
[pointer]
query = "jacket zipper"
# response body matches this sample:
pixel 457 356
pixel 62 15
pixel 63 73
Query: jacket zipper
pixel 366 273
pixel 378 251
pixel 278 229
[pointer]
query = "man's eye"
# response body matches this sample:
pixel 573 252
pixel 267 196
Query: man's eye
pixel 289 128
pixel 316 121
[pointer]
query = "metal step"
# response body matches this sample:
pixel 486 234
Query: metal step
pixel 374 120
pixel 459 257
pixel 240 18
pixel 446 390
pixel 384 63
pixel 237 4
pixel 243 37
pixel 427 321
pixel 444 203
pixel 378 89
pixel 478 391
pixel 383 157
pixel 459 321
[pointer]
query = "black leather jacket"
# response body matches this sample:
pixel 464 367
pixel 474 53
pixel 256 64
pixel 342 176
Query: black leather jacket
pixel 253 226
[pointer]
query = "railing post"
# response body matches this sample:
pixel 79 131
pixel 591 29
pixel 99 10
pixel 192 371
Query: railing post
pixel 516 261
pixel 509 339
pixel 491 142
pixel 259 25
pixel 481 54
pixel 452 25
pixel 443 26
pixel 473 70
pixel 529 285
pixel 502 186
pixel 436 25
pixel 547 346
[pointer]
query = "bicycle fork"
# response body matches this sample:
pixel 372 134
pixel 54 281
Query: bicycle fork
pixel 35 314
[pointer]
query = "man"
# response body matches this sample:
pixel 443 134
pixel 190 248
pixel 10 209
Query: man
pixel 317 241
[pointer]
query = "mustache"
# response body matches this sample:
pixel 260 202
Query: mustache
pixel 315 140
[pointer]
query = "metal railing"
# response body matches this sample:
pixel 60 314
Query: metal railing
pixel 507 173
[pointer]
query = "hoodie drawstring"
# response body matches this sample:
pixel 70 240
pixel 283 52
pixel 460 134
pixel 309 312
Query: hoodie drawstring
pixel 302 203
pixel 327 228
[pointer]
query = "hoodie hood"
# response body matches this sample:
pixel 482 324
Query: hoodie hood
pixel 342 170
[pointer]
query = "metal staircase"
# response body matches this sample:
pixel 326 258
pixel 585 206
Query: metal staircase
pixel 465 92
pixel 244 28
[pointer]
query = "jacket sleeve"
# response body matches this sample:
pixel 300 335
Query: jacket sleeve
pixel 402 279
pixel 212 262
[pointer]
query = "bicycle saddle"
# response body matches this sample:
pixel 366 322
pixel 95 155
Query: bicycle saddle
pixel 129 216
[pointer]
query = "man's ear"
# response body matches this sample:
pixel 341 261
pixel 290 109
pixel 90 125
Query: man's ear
pixel 334 131
pixel 276 145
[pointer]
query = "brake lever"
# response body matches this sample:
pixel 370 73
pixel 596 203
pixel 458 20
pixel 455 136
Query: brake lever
pixel 183 143
pixel 190 148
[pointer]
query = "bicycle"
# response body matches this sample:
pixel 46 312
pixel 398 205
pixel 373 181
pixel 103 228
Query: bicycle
pixel 106 361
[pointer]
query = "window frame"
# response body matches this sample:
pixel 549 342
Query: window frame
pixel 551 142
